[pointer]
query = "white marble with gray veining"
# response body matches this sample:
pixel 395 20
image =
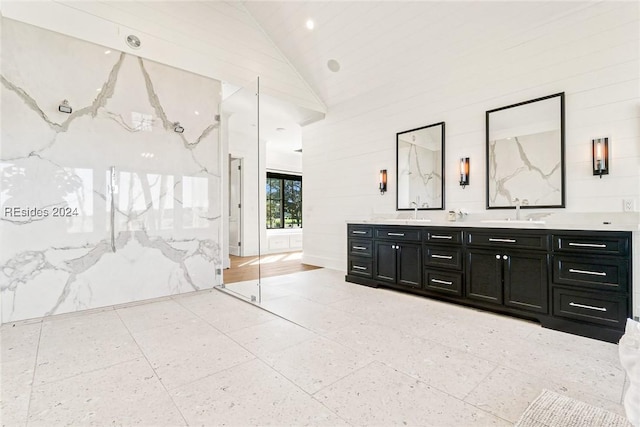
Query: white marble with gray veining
pixel 166 198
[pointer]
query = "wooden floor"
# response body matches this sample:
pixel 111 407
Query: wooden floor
pixel 246 268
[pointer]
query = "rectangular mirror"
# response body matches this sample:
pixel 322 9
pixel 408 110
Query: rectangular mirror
pixel 525 154
pixel 419 167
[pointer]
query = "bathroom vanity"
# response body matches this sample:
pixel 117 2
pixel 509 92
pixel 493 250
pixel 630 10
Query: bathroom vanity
pixel 575 281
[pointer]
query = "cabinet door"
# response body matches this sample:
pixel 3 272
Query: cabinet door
pixel 484 276
pixel 525 281
pixel 410 265
pixel 385 266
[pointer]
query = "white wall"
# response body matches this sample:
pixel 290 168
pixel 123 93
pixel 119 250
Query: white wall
pixel 278 161
pixel 592 55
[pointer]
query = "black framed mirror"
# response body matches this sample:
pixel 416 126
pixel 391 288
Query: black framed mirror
pixel 420 168
pixel 525 154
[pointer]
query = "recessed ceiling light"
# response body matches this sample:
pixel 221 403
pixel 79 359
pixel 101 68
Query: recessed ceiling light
pixel 107 52
pixel 280 129
pixel 333 65
pixel 310 24
pixel 196 113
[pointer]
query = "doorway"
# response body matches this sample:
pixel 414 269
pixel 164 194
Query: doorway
pixel 235 206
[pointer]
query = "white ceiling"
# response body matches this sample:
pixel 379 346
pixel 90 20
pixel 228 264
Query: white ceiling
pixel 381 43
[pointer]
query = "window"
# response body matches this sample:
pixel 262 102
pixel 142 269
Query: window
pixel 284 201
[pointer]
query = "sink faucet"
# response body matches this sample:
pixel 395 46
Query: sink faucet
pixel 415 205
pixel 518 203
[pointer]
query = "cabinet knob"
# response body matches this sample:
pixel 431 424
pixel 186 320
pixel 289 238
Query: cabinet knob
pixel 504 257
pixel 497 256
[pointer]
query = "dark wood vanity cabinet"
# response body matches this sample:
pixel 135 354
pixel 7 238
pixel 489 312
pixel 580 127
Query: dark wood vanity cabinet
pixel 398 256
pixel 573 281
pixel 508 268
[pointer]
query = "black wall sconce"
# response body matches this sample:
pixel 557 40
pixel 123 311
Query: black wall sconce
pixel 383 181
pixel 64 107
pixel 464 171
pixel 177 127
pixel 600 148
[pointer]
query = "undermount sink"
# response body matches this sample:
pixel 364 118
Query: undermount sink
pixel 513 221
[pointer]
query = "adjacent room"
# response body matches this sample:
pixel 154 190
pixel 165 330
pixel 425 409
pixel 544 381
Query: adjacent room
pixel 320 213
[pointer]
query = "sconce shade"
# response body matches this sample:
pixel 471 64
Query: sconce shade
pixel 64 107
pixel 600 151
pixel 383 181
pixel 464 171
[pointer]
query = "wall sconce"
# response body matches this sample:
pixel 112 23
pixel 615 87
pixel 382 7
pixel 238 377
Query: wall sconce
pixel 600 147
pixel 64 107
pixel 464 171
pixel 177 127
pixel 383 181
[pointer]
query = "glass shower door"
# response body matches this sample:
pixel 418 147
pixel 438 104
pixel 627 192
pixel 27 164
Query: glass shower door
pixel 241 192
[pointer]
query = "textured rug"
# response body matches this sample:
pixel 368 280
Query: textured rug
pixel 554 410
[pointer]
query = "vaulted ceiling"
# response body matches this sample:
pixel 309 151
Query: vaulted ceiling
pixel 382 43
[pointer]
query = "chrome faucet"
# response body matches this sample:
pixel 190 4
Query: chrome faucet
pixel 415 205
pixel 518 203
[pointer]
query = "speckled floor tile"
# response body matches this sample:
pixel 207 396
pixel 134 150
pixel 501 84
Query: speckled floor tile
pixel 186 351
pixel 313 365
pixel 124 394
pixel 153 315
pixel 380 395
pixel 250 394
pixel 76 344
pixel 507 393
pixel 271 337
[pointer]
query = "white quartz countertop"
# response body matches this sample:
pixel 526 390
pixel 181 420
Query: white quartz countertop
pixel 495 223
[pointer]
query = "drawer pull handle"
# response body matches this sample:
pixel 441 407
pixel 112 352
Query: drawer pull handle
pixel 442 282
pixel 395 234
pixel 442 256
pixel 360 248
pixel 357 267
pixel 588 245
pixel 358 232
pixel 441 237
pixel 491 239
pixel 590 307
pixel 592 273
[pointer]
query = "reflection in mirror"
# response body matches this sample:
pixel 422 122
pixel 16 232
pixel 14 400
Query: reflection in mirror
pixel 525 154
pixel 420 165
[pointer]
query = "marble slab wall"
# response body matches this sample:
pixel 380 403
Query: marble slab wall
pixel 107 204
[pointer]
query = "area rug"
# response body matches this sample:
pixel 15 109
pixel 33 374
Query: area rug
pixel 554 410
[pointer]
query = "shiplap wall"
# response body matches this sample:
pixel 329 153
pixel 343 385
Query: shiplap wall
pixel 214 39
pixel 591 54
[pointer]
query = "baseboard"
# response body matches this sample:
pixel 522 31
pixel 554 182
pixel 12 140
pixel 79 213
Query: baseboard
pixel 332 263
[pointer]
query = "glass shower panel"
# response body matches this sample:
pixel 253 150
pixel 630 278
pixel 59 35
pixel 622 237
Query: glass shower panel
pixel 240 137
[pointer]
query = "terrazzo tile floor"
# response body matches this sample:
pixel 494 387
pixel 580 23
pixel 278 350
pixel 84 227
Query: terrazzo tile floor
pixel 329 353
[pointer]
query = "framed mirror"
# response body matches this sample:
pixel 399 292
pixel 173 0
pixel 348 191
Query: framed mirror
pixel 525 154
pixel 419 168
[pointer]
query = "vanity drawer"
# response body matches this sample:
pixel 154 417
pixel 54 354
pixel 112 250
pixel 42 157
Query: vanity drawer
pixel 443 282
pixel 443 257
pixel 398 234
pixel 361 247
pixel 595 273
pixel 360 231
pixel 603 309
pixel 596 244
pixel 445 236
pixel 360 267
pixel 504 239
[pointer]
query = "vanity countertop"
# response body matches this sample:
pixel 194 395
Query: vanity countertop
pixel 495 223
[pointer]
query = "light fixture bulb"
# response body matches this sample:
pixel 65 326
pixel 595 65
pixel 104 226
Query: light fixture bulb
pixel 310 24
